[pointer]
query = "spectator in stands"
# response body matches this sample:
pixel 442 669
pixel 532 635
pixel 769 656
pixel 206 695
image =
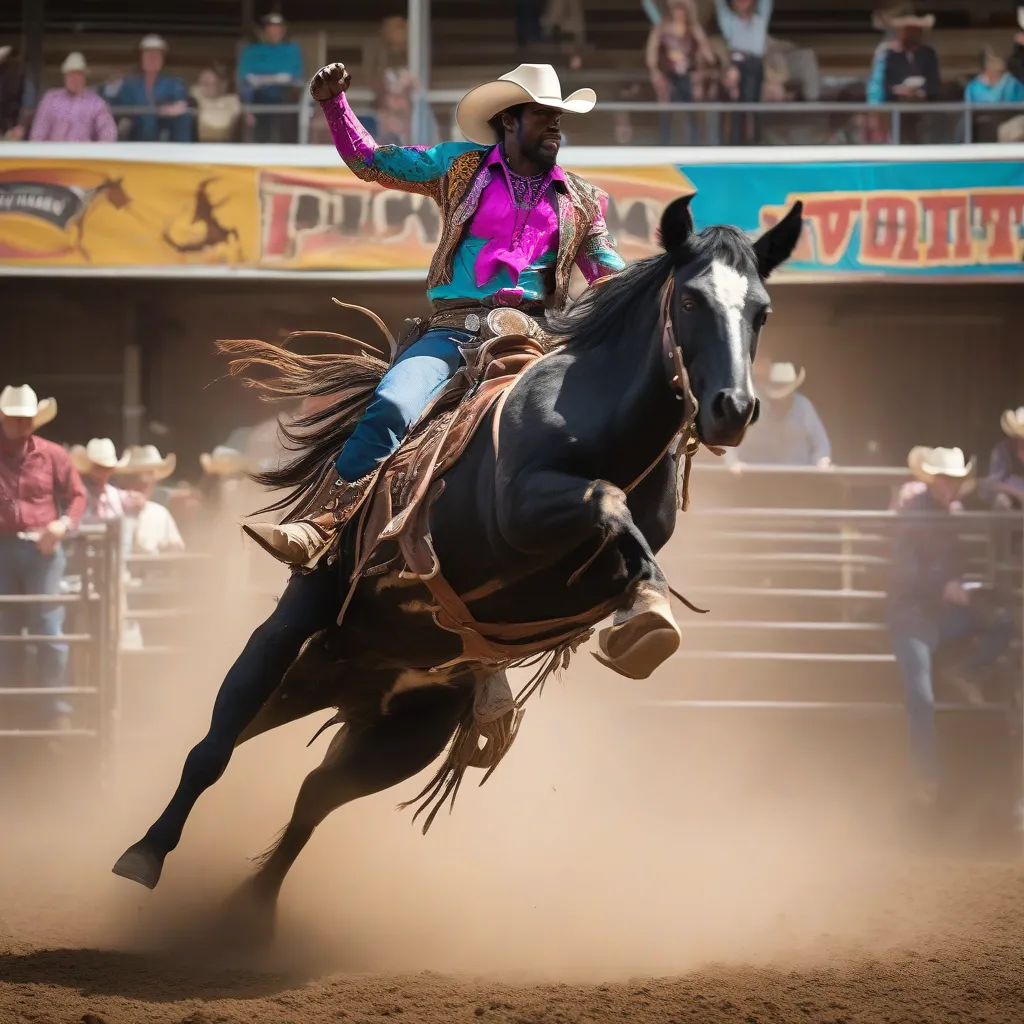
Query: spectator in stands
pixel 906 69
pixel 149 527
pixel 676 48
pixel 12 86
pixel 96 463
pixel 74 113
pixel 931 608
pixel 1016 61
pixel 565 20
pixel 744 27
pixel 995 84
pixel 41 498
pixel 789 431
pixel 1004 484
pixel 171 119
pixel 528 26
pixel 269 73
pixel 217 110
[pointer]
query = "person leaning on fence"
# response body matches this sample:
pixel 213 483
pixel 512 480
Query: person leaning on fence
pixel 150 528
pixel 269 73
pixel 171 118
pixel 41 498
pixel 930 610
pixel 1004 485
pixel 789 431
pixel 96 463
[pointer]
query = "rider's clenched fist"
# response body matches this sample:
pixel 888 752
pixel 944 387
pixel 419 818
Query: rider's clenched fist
pixel 329 81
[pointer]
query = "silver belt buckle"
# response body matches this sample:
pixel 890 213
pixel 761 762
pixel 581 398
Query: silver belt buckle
pixel 472 323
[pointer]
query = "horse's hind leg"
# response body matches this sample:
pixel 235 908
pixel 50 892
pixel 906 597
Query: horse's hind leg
pixel 310 603
pixel 360 761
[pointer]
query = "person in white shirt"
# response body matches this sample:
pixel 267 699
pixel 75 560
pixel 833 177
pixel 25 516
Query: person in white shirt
pixel 96 463
pixel 149 528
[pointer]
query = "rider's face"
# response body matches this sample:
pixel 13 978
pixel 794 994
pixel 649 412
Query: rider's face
pixel 539 134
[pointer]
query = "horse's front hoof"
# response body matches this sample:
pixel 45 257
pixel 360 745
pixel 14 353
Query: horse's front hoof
pixel 141 864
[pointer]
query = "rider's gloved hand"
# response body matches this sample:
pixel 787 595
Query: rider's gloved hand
pixel 329 81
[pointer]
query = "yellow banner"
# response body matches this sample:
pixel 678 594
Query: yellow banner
pixel 93 213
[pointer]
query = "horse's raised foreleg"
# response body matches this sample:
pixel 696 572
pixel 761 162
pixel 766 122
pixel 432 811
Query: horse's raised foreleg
pixel 553 513
pixel 309 604
pixel 362 759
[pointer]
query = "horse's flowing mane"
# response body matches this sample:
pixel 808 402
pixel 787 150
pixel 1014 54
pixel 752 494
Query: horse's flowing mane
pixel 627 303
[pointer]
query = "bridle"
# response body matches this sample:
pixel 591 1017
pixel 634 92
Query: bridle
pixel 685 441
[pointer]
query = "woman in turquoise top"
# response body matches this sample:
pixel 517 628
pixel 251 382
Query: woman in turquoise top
pixel 994 85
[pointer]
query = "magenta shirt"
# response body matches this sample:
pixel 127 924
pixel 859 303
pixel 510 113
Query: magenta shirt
pixel 61 117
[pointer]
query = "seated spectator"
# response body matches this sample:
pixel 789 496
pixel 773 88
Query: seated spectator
pixel 994 85
pixel 42 498
pixel 269 73
pixel 789 431
pixel 74 113
pixel 906 69
pixel 149 527
pixel 565 20
pixel 217 110
pixel 96 463
pixel 930 608
pixel 1016 62
pixel 676 48
pixel 171 120
pixel 1004 484
pixel 744 27
pixel 12 87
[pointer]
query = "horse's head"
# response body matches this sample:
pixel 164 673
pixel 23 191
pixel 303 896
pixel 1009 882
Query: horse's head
pixel 718 306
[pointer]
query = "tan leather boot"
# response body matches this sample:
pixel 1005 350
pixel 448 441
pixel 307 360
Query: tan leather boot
pixel 302 542
pixel 641 636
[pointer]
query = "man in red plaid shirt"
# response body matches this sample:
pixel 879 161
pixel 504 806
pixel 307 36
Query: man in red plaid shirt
pixel 41 498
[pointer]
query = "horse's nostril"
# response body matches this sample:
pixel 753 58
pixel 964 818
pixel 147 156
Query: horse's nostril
pixel 733 409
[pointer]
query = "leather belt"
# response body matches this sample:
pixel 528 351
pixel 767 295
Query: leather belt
pixel 483 321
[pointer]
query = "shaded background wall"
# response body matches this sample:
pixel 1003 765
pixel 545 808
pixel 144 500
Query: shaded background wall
pixel 894 364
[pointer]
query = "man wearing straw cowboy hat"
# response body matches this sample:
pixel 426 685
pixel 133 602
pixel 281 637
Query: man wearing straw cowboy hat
pixel 789 431
pixel 905 69
pixel 96 463
pixel 931 606
pixel 149 527
pixel 41 498
pixel 513 226
pixel 1005 480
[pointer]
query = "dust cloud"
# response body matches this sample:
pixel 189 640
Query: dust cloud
pixel 615 840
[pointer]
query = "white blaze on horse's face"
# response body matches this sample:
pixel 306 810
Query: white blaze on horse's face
pixel 729 292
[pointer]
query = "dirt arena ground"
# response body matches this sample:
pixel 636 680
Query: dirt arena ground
pixel 622 865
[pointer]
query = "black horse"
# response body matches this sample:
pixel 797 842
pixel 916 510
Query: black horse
pixel 510 530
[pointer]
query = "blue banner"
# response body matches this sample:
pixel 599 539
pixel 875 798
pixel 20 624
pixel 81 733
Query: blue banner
pixel 914 220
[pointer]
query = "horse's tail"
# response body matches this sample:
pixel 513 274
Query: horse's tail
pixel 348 379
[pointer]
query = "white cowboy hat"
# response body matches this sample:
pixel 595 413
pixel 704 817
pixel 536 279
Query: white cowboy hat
pixel 928 463
pixel 153 42
pixel 100 451
pixel 1012 422
pixel 74 61
pixel 146 458
pixel 529 83
pixel 782 380
pixel 1020 17
pixel 22 402
pixel 921 21
pixel 223 461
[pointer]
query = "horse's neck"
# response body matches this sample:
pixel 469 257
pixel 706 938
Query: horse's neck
pixel 628 384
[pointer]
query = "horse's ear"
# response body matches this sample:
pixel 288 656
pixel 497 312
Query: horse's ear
pixel 676 224
pixel 776 245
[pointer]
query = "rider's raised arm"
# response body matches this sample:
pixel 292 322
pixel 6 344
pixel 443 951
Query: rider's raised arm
pixel 407 168
pixel 597 256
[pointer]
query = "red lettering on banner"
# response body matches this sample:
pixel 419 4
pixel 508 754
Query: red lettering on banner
pixel 946 220
pixel 890 232
pixel 1001 215
pixel 833 219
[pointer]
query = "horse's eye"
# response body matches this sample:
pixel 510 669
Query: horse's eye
pixel 688 305
pixel 763 319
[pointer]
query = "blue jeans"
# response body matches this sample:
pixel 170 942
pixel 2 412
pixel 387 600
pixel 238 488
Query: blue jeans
pixel 24 569
pixel 407 389
pixel 915 640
